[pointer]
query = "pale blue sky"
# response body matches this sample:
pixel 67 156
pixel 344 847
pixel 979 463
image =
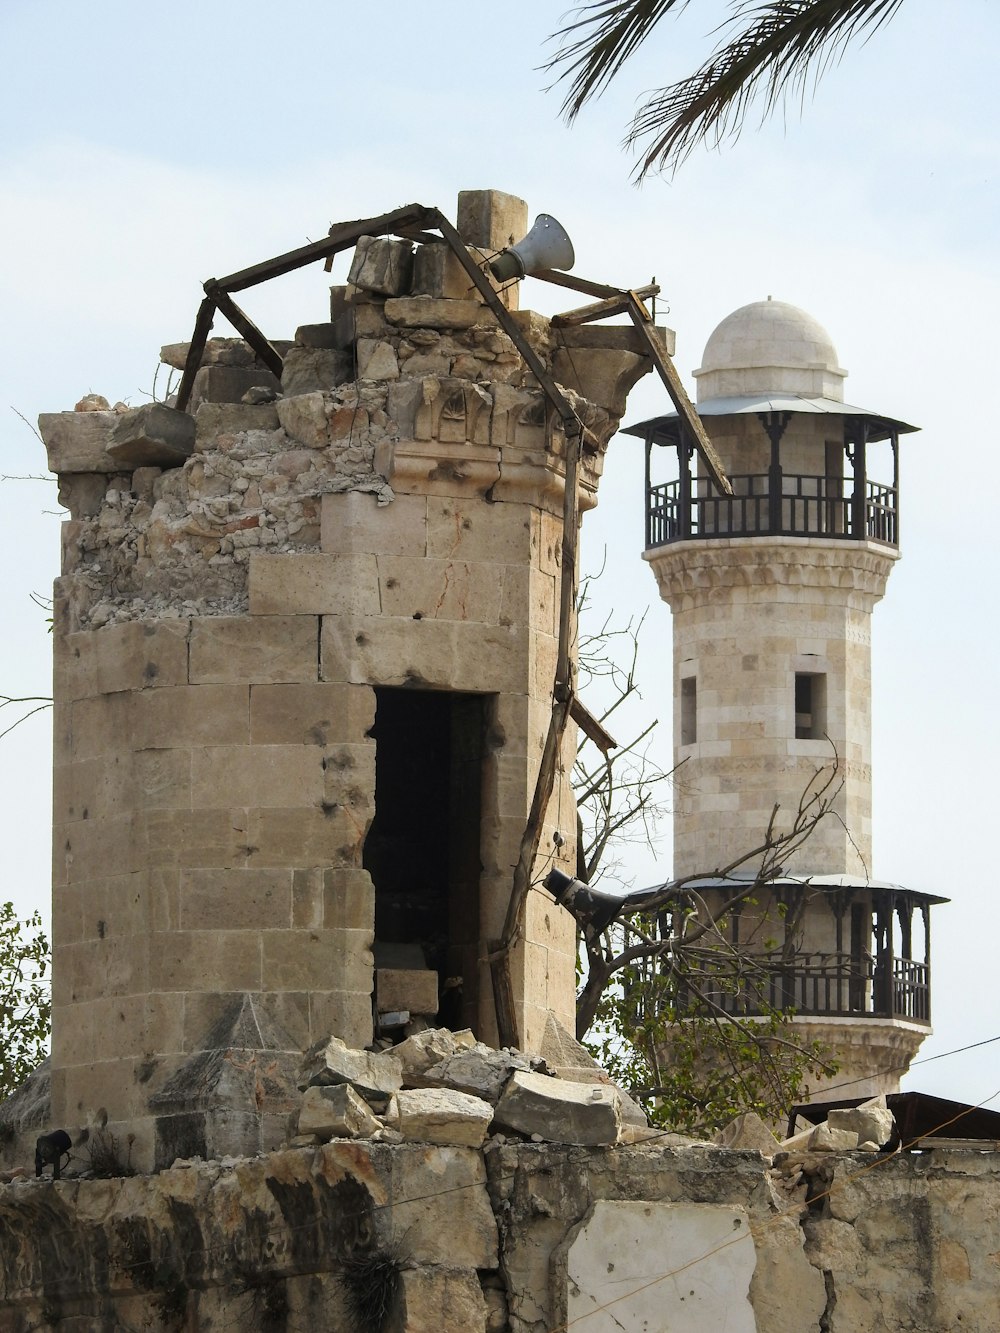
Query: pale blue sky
pixel 145 149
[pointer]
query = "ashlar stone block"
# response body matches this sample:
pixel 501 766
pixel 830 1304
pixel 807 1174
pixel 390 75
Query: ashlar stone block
pixel 153 435
pixel 310 714
pixel 382 264
pixel 440 589
pixel 354 523
pixel 137 655
pixel 258 899
pixel 491 219
pixel 77 441
pixel 433 312
pixel 256 649
pixel 313 583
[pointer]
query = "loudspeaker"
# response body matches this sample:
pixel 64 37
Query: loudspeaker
pixel 545 246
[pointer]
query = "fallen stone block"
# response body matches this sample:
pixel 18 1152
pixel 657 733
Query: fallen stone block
pixel 873 1122
pixel 382 264
pixel 316 335
pixel 442 1116
pixel 413 989
pixel 825 1138
pixel 331 1061
pixel 337 1112
pixel 417 1053
pixel 481 1071
pixel 152 436
pixel 748 1133
pixel 559 1111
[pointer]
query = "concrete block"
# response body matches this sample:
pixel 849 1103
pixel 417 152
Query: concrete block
pixel 432 312
pixel 77 441
pixel 259 650
pixel 153 435
pixel 354 523
pixel 212 899
pixel 313 583
pixel 442 1116
pixel 414 989
pixel 382 264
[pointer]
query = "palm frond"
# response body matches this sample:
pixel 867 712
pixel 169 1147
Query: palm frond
pixel 778 46
pixel 771 47
pixel 599 41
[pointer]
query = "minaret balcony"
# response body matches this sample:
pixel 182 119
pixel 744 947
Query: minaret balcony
pixel 793 505
pixel 824 985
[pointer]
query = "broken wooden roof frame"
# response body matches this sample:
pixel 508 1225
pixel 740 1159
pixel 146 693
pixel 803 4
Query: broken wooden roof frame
pixel 417 223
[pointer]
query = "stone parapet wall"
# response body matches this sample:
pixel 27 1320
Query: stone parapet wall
pixel 518 1238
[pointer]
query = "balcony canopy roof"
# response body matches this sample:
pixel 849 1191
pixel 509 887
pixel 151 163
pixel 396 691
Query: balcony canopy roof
pixel 665 430
pixel 739 880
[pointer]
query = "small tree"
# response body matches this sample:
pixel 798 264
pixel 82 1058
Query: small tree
pixel 25 1002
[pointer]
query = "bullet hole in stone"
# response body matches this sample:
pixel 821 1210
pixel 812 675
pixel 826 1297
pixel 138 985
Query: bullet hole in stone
pixel 418 615
pixel 101 928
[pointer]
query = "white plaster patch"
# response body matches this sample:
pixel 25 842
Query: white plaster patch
pixel 645 1267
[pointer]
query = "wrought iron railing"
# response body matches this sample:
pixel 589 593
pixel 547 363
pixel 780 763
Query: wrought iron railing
pixel 820 984
pixel 800 506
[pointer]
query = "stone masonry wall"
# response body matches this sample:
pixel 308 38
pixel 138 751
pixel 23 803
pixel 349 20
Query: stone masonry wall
pixel 234 589
pixel 517 1238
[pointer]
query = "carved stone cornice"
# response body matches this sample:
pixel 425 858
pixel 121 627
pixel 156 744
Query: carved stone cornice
pixel 691 573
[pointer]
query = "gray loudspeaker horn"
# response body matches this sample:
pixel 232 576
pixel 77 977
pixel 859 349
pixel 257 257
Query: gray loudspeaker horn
pixel 545 246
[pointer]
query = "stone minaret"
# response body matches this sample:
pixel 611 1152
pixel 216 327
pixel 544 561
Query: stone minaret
pixel 772 592
pixel 304 667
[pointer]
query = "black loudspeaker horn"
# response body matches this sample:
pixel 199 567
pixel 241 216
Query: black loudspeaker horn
pixel 545 246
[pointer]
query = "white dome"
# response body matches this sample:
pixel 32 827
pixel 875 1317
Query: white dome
pixel 770 347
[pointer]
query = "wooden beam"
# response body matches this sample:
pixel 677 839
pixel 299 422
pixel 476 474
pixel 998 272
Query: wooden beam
pixel 591 727
pixel 202 328
pixel 575 284
pixel 614 305
pixel 247 329
pixel 667 372
pixel 342 235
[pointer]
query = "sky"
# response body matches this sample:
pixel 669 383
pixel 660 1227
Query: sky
pixel 146 150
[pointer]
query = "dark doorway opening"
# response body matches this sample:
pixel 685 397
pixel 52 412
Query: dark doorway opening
pixel 422 850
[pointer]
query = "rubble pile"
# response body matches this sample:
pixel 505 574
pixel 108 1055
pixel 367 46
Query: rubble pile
pixel 445 1088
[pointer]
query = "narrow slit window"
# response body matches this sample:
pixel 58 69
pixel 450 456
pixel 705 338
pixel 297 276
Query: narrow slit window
pixel 810 706
pixel 689 710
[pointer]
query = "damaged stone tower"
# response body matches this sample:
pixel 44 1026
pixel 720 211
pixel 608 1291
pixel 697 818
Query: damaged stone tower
pixel 304 660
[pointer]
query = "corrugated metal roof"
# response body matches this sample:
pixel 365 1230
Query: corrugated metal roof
pixel 665 428
pixel 741 878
